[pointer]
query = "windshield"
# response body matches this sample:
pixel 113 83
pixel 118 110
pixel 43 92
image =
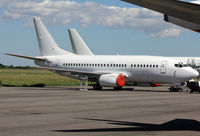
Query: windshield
pixel 179 65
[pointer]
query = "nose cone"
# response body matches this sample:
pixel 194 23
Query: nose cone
pixel 192 73
pixel 186 74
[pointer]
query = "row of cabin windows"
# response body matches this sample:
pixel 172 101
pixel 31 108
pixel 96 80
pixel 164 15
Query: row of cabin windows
pixel 94 65
pixel 144 65
pixel 109 65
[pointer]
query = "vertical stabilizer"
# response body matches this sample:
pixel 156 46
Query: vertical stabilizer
pixel 48 46
pixel 78 45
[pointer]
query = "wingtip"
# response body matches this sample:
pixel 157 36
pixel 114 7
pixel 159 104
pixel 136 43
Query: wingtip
pixel 71 29
pixel 7 54
pixel 36 18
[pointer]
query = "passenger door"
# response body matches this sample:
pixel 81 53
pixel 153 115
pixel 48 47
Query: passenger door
pixel 163 67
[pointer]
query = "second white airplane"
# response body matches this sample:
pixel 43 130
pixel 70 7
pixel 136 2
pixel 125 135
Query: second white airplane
pixel 105 70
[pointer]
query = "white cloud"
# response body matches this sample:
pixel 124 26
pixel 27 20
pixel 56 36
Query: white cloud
pixel 89 13
pixel 196 2
pixel 171 32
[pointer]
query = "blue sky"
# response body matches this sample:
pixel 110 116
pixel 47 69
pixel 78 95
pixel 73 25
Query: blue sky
pixel 107 27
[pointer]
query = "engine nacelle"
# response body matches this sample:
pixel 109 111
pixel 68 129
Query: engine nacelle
pixel 112 80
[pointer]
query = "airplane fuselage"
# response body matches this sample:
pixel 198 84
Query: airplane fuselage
pixel 150 69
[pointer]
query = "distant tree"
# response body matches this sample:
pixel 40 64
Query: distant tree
pixel 2 66
pixel 11 66
pixel 14 67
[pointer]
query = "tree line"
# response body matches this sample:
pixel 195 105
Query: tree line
pixel 13 67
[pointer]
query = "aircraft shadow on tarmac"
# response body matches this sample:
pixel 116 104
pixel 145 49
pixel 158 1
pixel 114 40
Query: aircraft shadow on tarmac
pixel 173 125
pixel 63 88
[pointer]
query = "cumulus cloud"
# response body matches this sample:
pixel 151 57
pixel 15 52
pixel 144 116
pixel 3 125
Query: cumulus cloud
pixel 196 2
pixel 89 13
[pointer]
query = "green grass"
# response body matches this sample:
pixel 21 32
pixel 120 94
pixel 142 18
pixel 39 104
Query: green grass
pixel 19 77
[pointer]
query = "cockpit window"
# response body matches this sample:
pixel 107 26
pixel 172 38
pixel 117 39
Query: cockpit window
pixel 179 65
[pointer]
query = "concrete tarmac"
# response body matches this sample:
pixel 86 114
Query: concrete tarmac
pixel 66 111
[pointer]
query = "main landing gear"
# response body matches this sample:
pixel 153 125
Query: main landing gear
pixel 117 88
pixel 97 87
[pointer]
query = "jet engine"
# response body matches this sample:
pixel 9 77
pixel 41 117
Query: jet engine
pixel 112 80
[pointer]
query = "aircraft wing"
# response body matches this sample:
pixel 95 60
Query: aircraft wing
pixel 69 71
pixel 177 12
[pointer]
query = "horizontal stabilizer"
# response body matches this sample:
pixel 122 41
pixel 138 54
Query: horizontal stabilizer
pixel 26 57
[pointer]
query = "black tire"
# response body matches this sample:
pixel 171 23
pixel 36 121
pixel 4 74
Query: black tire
pixel 97 87
pixel 117 88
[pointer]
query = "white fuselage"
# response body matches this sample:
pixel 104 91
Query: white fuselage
pixel 151 69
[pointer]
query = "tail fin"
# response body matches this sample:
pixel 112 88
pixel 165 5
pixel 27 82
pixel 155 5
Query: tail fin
pixel 78 45
pixel 48 46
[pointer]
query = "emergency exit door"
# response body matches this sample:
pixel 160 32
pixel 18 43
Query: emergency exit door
pixel 163 67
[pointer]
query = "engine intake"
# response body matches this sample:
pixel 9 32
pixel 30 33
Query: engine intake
pixel 112 80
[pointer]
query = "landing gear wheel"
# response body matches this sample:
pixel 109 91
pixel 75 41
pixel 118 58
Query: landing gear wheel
pixel 97 87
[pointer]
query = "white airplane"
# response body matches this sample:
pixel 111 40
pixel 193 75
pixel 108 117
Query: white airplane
pixel 178 12
pixel 105 70
pixel 80 48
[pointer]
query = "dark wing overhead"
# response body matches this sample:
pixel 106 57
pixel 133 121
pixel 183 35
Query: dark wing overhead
pixel 179 9
pixel 189 13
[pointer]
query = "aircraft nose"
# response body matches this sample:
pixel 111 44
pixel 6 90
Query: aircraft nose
pixel 193 73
